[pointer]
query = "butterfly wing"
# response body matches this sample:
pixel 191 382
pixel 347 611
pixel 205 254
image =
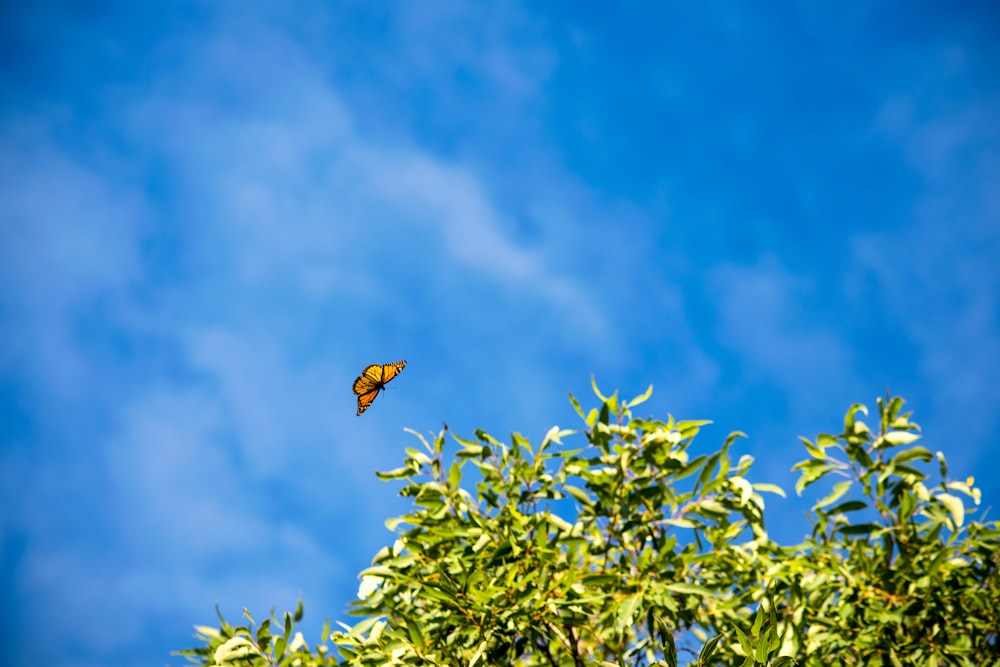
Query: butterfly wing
pixel 367 386
pixel 390 371
pixel 366 399
pixel 372 380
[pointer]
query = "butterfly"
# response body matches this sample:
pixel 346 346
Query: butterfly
pixel 373 380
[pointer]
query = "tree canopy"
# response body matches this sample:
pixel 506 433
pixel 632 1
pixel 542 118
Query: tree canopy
pixel 622 544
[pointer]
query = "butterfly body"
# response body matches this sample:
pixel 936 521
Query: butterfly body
pixel 373 380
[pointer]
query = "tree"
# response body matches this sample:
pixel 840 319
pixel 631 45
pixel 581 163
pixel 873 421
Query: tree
pixel 626 547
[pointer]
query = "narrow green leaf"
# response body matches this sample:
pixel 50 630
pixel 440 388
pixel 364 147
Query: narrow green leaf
pixel 708 468
pixel 689 468
pixel 849 417
pixel 761 654
pixel 396 473
pixel 708 650
pixel 479 653
pixel 813 450
pixel 942 465
pixel 770 488
pixel 625 616
pixel 812 470
pixel 913 454
pixel 691 589
pixel 638 400
pixel 413 632
pixel 597 392
pixel 839 489
pixel 560 523
pixel 758 621
pixel 579 494
pixel 860 529
pixel 848 506
pixel 896 438
pixel 744 642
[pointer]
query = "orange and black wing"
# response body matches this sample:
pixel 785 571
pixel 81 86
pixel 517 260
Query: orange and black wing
pixel 373 380
pixel 390 371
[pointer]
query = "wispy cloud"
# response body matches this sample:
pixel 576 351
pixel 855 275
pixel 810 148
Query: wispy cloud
pixel 275 245
pixel 937 269
pixel 763 317
pixel 208 230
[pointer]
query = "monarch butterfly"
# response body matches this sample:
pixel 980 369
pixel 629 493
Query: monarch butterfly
pixel 373 380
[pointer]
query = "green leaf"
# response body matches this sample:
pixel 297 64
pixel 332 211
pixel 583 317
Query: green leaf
pixel 237 648
pixel 895 438
pixel 413 632
pixel 813 450
pixel 579 494
pixel 397 473
pixel 812 470
pixel 849 417
pixel 597 392
pixel 479 652
pixel 825 441
pixel 708 468
pixel 839 489
pixel 744 642
pixel 560 523
pixel 708 650
pixel 761 654
pixel 455 475
pixel 860 529
pixel 691 589
pixel 625 616
pixel 913 454
pixel 955 507
pixel 849 506
pixel 687 470
pixel 638 400
pixel 418 456
pixel 744 488
pixel 264 633
pixel 770 488
pixel 758 621
pixel 942 465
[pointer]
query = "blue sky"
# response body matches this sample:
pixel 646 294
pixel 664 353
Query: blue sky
pixel 214 215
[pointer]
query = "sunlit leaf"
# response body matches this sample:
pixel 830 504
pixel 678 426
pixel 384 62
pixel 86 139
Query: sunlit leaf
pixel 839 489
pixel 955 507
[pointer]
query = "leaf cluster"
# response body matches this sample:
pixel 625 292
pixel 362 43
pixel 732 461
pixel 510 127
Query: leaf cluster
pixel 634 549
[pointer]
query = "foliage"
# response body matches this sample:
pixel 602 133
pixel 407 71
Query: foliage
pixel 631 547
